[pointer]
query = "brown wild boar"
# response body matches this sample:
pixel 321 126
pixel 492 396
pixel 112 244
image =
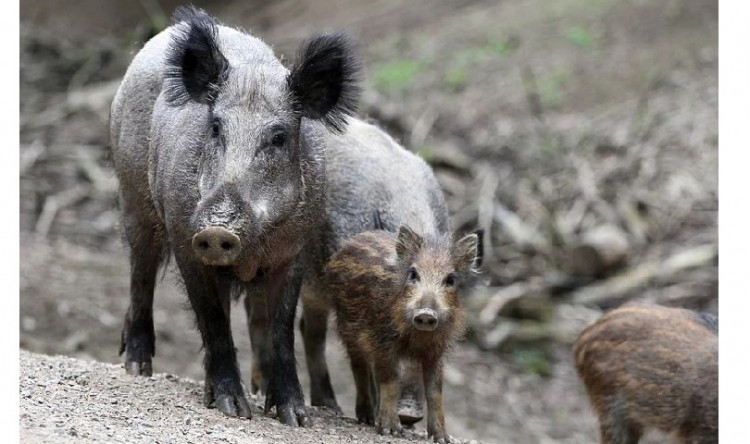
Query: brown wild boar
pixel 647 366
pixel 396 298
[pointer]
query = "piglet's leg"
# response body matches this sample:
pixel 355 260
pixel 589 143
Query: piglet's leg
pixel 433 382
pixel 386 374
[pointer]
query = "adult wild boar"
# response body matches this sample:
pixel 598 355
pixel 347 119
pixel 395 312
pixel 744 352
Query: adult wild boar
pixel 367 173
pixel 220 154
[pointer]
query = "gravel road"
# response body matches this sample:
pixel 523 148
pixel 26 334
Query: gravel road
pixel 67 400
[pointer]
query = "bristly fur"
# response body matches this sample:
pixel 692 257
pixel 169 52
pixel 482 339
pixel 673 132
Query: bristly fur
pixel 196 68
pixel 325 81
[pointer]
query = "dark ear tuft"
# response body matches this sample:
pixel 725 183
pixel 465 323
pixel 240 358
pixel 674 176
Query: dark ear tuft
pixel 408 243
pixel 196 68
pixel 324 82
pixel 465 253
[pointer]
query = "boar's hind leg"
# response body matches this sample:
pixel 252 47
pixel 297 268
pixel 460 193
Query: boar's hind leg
pixel 137 338
pixel 209 298
pixel 314 326
pixel 284 391
pixel 257 323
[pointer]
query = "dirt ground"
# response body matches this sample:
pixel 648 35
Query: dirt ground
pixel 578 109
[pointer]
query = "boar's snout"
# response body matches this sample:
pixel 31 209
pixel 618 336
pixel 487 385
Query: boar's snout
pixel 216 246
pixel 425 319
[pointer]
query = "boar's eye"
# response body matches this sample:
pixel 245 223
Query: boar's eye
pixel 450 280
pixel 412 275
pixel 278 139
pixel 215 128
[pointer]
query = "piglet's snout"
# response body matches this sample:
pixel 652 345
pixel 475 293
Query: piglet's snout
pixel 425 319
pixel 216 246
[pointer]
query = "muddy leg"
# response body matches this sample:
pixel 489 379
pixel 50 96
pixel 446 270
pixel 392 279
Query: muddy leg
pixel 314 326
pixel 137 338
pixel 386 375
pixel 410 403
pixel 256 309
pixel 433 382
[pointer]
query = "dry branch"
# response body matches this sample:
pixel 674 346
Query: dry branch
pixel 601 249
pixel 55 203
pixel 616 288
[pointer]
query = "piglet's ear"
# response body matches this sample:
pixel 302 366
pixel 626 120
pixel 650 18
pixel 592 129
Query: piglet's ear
pixel 408 243
pixel 196 68
pixel 324 82
pixel 480 246
pixel 465 253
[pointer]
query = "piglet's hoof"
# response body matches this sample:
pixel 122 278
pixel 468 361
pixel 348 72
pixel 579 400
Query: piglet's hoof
pixel 138 368
pixel 391 427
pixel 441 437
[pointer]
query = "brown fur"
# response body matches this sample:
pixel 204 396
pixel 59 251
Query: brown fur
pixel 372 295
pixel 647 366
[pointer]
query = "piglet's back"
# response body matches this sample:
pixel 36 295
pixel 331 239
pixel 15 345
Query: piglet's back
pixel 655 366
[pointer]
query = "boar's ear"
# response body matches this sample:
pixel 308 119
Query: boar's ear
pixel 407 243
pixel 324 82
pixel 465 253
pixel 196 68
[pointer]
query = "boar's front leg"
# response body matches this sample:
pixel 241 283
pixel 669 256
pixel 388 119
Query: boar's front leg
pixel 284 391
pixel 209 298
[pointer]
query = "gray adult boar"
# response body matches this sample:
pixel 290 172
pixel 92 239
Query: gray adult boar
pixel 367 173
pixel 220 154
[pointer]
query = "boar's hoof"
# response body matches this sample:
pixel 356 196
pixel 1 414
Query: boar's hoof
pixel 290 413
pixel 230 405
pixel 234 406
pixel 216 246
pixel 138 368
pixel 292 416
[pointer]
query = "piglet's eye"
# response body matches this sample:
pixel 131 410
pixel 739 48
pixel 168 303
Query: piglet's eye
pixel 412 275
pixel 450 280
